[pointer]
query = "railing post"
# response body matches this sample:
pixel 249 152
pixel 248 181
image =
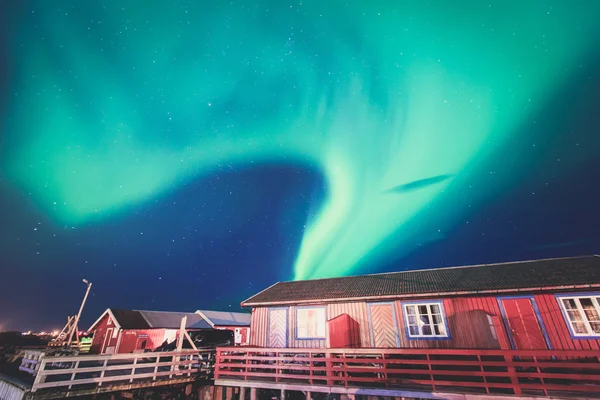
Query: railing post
pixel 246 366
pixel 328 368
pixel 190 358
pixel 216 364
pixel 73 374
pixel 487 389
pixel 103 371
pixel 385 372
pixel 512 372
pixel 133 369
pixel 345 370
pixel 172 366
pixel 277 361
pixel 40 376
pixel 430 372
pixel 310 370
pixel 539 370
pixel 156 367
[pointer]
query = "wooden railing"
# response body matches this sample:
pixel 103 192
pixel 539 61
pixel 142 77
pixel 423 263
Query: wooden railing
pixel 67 372
pixel 514 372
pixel 30 361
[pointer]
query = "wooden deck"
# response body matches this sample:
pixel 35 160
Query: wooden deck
pixel 69 375
pixel 481 372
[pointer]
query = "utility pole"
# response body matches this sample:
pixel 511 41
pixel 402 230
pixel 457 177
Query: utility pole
pixel 75 326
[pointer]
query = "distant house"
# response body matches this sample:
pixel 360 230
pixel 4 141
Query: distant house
pixel 126 331
pixel 239 323
pixel 540 304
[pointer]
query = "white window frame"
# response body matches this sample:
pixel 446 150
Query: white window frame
pixel 430 314
pixel 586 322
pixel 299 335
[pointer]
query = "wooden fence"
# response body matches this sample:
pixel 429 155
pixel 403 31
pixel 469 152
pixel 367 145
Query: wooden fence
pixel 513 372
pixel 67 372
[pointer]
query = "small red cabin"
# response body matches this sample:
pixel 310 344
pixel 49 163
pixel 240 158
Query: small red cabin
pixel 129 331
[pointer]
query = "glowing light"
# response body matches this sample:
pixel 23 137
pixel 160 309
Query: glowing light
pixel 396 106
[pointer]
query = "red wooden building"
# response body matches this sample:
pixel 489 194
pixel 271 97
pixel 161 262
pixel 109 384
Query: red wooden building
pixel 237 322
pixel 129 331
pixel 550 305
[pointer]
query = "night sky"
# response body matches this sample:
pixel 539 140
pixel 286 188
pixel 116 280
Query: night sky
pixel 187 154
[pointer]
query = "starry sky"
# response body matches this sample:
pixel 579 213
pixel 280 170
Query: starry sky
pixel 188 154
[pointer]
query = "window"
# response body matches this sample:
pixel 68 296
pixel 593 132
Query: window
pixel 582 314
pixel 425 320
pixel 310 323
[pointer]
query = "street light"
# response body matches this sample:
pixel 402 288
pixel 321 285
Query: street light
pixel 75 327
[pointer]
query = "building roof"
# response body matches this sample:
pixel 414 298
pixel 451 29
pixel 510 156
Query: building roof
pixel 142 319
pixel 129 319
pixel 490 278
pixel 225 318
pixel 172 320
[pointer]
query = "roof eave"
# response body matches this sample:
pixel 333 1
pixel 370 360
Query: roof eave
pixel 262 291
pixel 402 296
pixel 109 312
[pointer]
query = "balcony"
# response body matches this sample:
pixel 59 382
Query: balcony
pixel 410 372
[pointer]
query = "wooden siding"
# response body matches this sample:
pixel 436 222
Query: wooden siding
pixel 358 312
pixel 467 319
pixel 558 331
pixel 258 327
pixel 100 331
pixel 468 325
pixel 131 340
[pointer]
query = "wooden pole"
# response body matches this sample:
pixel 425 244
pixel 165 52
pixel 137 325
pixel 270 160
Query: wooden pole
pixel 76 322
pixel 181 333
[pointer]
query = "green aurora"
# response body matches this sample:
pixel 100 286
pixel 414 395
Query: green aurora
pixel 115 103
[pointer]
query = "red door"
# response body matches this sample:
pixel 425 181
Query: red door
pixel 523 324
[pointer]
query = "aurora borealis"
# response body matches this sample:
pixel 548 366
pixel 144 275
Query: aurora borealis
pixel 398 114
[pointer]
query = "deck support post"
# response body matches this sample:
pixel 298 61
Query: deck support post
pixel 242 393
pixel 228 393
pixel 253 393
pixel 307 395
pixel 282 397
pixel 218 393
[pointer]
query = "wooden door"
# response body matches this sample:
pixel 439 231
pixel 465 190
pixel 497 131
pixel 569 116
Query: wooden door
pixel 523 324
pixel 106 341
pixel 384 330
pixel 277 335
